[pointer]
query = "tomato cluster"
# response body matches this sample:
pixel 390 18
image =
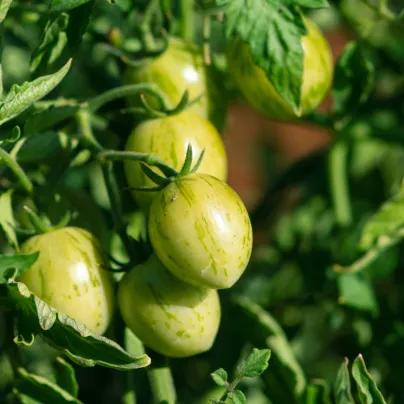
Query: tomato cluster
pixel 198 227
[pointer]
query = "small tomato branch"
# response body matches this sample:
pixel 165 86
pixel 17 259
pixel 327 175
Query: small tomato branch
pixel 17 170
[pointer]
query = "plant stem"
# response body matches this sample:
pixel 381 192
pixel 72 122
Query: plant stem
pixel 120 92
pixel 149 159
pixel 187 19
pixel 162 383
pixel 230 388
pixel 145 26
pixel 84 121
pixel 338 178
pixel 40 225
pixel 17 170
pixel 116 206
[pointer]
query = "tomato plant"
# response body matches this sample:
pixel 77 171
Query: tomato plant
pixel 173 318
pixel 168 138
pixel 133 136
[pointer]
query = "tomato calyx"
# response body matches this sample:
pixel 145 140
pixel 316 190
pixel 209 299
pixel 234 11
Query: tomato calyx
pixel 162 181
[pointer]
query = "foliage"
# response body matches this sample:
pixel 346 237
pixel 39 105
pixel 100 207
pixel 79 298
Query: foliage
pixel 323 285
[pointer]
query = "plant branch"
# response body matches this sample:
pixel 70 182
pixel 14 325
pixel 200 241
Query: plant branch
pixel 338 178
pixel 162 383
pixel 17 170
pixel 149 159
pixel 187 19
pixel 124 91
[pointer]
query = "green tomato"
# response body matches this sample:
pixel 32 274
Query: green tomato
pixel 169 316
pixel 260 93
pixel 168 138
pixel 69 276
pixel 181 67
pixel 201 231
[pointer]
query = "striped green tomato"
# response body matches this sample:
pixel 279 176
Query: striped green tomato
pixel 201 231
pixel 168 138
pixel 260 93
pixel 69 276
pixel 169 316
pixel 181 67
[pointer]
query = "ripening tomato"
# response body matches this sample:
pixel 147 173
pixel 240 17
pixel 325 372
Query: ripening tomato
pixel 200 230
pixel 260 93
pixel 69 276
pixel 181 67
pixel 168 138
pixel 169 316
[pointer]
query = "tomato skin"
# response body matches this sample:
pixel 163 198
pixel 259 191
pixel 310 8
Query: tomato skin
pixel 181 67
pixel 200 230
pixel 171 317
pixel 68 275
pixel 168 138
pixel 260 93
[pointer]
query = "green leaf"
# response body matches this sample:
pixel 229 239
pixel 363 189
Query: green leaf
pixel 45 119
pixel 220 377
pixel 357 292
pixel 255 364
pixel 367 390
pixel 342 386
pixel 263 329
pixel 7 218
pixel 354 80
pixel 273 32
pixel 22 97
pixel 65 5
pixel 318 392
pixel 385 222
pixel 74 339
pixel 18 261
pixel 65 377
pixel 4 6
pixel 237 396
pixel 42 389
pixel 52 43
pixel 308 3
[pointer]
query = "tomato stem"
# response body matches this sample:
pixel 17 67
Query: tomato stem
pixel 17 170
pixel 161 381
pixel 187 19
pixel 339 187
pixel 41 226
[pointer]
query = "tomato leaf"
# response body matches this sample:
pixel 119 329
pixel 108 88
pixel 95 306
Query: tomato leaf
pixel 65 377
pixel 264 330
pixel 65 5
pixel 42 389
pixel 367 389
pixel 237 397
pixel 74 339
pixel 7 218
pixel 357 292
pixel 45 119
pixel 220 377
pixel 255 364
pixel 354 80
pixel 308 3
pixel 273 32
pixel 385 222
pixel 52 43
pixel 19 262
pixel 318 392
pixel 21 97
pixel 4 6
pixel 342 386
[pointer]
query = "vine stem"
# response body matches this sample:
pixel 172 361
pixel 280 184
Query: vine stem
pixel 124 91
pixel 206 39
pixel 162 383
pixel 146 35
pixel 187 19
pixel 17 170
pixel 339 187
pixel 149 159
pixel 229 389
